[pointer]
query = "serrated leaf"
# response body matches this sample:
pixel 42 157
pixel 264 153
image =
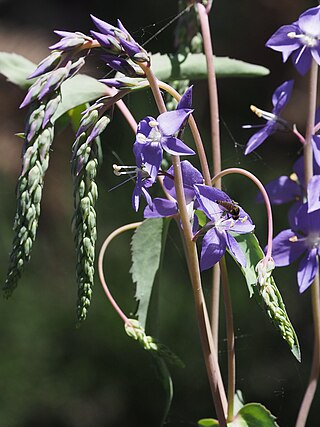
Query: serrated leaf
pixel 269 296
pixel 193 66
pixel 146 246
pixel 16 69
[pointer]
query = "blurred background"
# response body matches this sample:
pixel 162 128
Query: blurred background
pixel 53 374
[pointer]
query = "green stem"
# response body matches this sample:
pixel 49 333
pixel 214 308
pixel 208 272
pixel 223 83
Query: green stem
pixel 315 293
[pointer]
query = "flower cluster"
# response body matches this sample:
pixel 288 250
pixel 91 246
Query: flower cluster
pixel 301 241
pixel 122 52
pixel 153 137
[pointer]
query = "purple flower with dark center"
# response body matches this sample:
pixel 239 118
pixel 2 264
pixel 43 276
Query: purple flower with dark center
pixel 302 240
pixel 274 123
pixel 225 218
pixel 301 39
pixel 165 207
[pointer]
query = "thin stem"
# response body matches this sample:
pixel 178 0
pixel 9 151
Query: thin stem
pixel 153 81
pixel 315 293
pixel 208 349
pixel 215 142
pixel 312 96
pixel 230 338
pixel 213 370
pixel 213 93
pixel 195 133
pixel 314 374
pixel 215 300
pixel 265 198
pixel 103 249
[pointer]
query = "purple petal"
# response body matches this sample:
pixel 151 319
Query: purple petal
pixel 119 64
pixel 144 127
pixel 171 121
pixel 160 208
pixel 186 100
pixel 175 146
pixel 307 223
pixel 235 250
pixel 307 270
pixel 302 59
pixel 314 194
pixel 130 48
pixel 190 177
pixel 315 141
pixel 258 138
pixel 213 248
pixel 309 21
pixel 103 26
pixel 292 214
pixel 207 197
pixel 103 39
pixel 286 248
pixel 281 96
pixel 244 224
pixel 280 41
pixel 281 190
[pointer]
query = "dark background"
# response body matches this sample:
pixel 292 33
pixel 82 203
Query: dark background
pixel 52 374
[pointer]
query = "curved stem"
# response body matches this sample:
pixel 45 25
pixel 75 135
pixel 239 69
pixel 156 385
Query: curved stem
pixel 230 338
pixel 100 267
pixel 264 195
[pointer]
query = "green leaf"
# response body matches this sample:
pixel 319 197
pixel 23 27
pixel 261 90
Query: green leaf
pixel 78 90
pixel 254 415
pixel 193 67
pixel 250 415
pixel 146 254
pixel 16 69
pixel 268 295
pixel 208 422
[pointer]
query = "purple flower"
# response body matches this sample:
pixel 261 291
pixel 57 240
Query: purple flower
pixel 164 207
pixel 225 217
pixel 303 240
pixel 161 132
pixel 274 123
pixel 285 189
pixel 301 39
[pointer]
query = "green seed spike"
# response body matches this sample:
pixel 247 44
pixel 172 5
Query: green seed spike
pixel 84 169
pixel 29 192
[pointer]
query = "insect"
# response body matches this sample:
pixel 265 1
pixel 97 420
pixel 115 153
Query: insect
pixel 231 207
